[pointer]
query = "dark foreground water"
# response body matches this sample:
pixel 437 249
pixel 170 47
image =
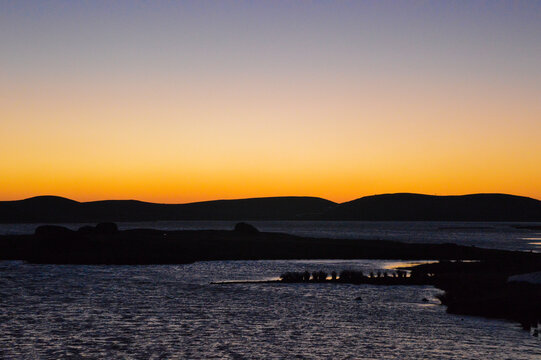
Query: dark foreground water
pixel 496 235
pixel 173 312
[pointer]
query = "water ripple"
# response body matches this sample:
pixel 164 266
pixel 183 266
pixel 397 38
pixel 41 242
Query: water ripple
pixel 173 312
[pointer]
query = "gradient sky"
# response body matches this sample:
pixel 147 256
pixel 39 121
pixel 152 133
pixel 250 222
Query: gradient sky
pixel 183 101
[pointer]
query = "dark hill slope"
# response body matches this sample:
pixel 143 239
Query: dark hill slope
pixel 57 209
pixel 477 207
pixel 257 208
pixel 39 208
pixel 412 207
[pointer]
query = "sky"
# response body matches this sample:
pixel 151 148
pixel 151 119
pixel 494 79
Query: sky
pixel 184 101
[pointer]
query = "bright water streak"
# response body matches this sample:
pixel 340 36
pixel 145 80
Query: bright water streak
pixel 171 311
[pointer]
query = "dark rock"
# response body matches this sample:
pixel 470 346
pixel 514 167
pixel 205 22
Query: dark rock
pixel 52 231
pixel 107 228
pixel 87 229
pixel 246 228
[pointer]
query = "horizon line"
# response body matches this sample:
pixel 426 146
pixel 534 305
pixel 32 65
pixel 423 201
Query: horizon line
pixel 270 197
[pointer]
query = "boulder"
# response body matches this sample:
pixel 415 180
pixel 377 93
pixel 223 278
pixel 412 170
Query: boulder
pixel 246 228
pixel 53 231
pixel 106 228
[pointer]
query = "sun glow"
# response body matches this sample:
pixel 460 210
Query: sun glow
pixel 332 106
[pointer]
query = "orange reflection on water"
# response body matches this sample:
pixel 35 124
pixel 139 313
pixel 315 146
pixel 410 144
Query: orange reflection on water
pixel 405 264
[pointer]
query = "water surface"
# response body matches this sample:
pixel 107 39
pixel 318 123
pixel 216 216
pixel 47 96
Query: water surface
pixel 169 311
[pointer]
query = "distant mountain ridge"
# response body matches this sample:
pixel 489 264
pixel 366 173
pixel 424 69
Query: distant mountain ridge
pixel 400 206
pixel 59 209
pixel 418 207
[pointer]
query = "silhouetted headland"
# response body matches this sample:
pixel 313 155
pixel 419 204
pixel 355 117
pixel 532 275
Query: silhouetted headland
pixel 402 207
pixel 105 244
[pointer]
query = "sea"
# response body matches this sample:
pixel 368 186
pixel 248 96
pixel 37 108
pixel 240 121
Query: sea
pixel 225 310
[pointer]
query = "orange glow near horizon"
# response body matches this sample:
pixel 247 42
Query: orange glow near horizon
pixel 340 101
pixel 98 146
pixel 95 146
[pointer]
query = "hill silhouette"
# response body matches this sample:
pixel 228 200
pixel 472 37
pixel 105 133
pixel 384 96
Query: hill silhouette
pixel 401 206
pixel 413 207
pixel 59 209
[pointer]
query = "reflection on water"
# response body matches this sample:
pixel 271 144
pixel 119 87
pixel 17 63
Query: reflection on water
pixel 394 265
pixel 536 241
pixel 174 312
